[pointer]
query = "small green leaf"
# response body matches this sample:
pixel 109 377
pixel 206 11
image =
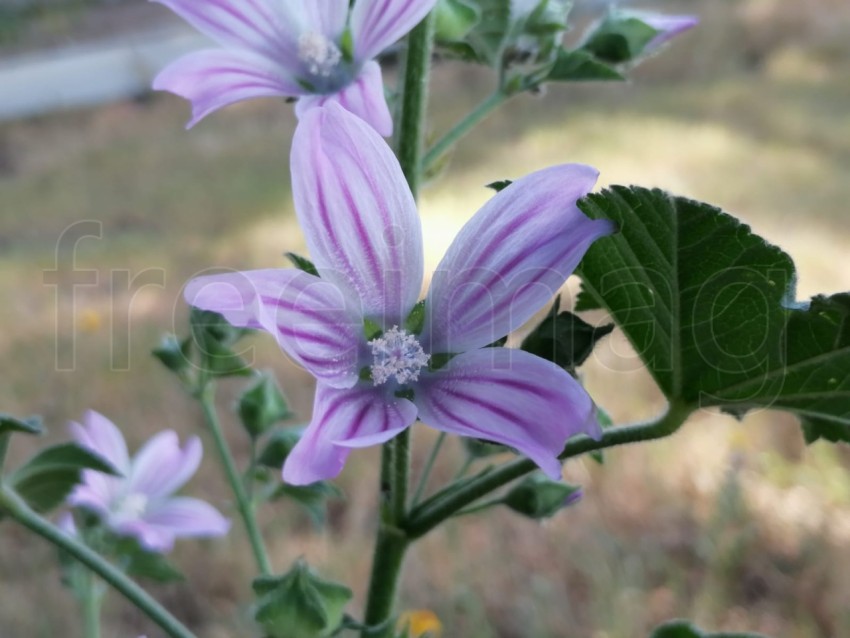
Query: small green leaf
pixel 619 39
pixel 416 319
pixel 278 447
pixel 500 185
pixel 174 354
pixel 538 496
pixel 302 263
pixel 262 405
pixel 580 66
pixel 371 329
pixel 299 604
pixel 564 338
pixel 29 425
pixel 455 19
pixel 47 478
pixel 684 629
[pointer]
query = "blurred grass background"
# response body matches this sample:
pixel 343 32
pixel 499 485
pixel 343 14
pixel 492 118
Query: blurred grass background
pixel 736 525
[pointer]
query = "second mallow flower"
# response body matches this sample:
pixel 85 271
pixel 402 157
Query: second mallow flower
pixel 141 502
pixel 381 359
pixel 315 50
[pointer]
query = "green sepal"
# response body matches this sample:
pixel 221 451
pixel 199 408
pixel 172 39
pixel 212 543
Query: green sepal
pixel 684 629
pixel 145 564
pixel 278 446
pixel 455 19
pixel 371 329
pixel 619 39
pixel 48 477
pixel 302 263
pixel 299 604
pixel 564 338
pixel 406 393
pixel 174 354
pixel 440 360
pixel 500 185
pixel 313 497
pixel 213 336
pixel 262 406
pixel 415 321
pixel 538 496
pixel 580 66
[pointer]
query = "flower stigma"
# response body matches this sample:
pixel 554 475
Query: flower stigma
pixel 319 54
pixel 397 354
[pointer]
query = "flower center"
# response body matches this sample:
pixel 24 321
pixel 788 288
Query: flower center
pixel 133 505
pixel 319 54
pixel 397 354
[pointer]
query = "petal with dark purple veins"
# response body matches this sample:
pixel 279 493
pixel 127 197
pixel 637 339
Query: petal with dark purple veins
pixel 343 419
pixel 214 78
pixel 357 212
pixel 364 97
pixel 312 320
pixel 509 397
pixel 376 24
pixel 510 259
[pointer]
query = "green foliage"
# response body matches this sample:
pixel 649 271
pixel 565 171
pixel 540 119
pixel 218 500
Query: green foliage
pixel 709 307
pixel 278 446
pixel 214 338
pixel 299 604
pixel 47 478
pixel 262 405
pixel 580 66
pixel 538 496
pixel 174 354
pixel 29 425
pixel 302 263
pixel 619 39
pixel 455 19
pixel 564 338
pixel 684 629
pixel 141 563
pixel 415 321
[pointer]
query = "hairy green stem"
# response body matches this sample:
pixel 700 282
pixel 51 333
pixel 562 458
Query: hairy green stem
pixel 12 505
pixel 426 470
pixel 453 499
pixel 463 127
pixel 4 448
pixel 243 503
pixel 391 543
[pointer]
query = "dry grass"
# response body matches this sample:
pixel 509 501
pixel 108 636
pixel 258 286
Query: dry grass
pixel 737 525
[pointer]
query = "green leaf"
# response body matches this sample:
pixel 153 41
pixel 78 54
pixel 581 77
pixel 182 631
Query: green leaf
pixel 278 447
pixel 214 336
pixel 619 39
pixel 299 604
pixel 580 66
pixel 47 478
pixel 564 338
pixel 416 319
pixel 455 19
pixel 539 497
pixel 302 263
pixel 262 405
pixel 29 425
pixel 708 305
pixel 684 629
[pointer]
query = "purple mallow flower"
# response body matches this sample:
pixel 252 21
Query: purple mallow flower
pixel 315 50
pixel 351 328
pixel 140 503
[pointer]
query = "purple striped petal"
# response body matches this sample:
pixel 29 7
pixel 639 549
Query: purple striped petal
pixel 376 24
pixel 268 27
pixel 357 212
pixel 510 258
pixel 326 17
pixel 214 78
pixel 364 97
pixel 310 318
pixel 161 467
pixel 343 419
pixel 185 516
pixel 510 397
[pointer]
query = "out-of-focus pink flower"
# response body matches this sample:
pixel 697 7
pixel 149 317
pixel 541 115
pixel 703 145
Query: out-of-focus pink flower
pixel 140 502
pixel 365 238
pixel 668 26
pixel 315 50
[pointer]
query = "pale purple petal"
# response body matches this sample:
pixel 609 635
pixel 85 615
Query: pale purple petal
pixel 326 17
pixel 100 435
pixel 343 419
pixel 357 212
pixel 310 318
pixel 66 523
pixel 510 259
pixel 509 397
pixel 668 27
pixel 95 493
pixel 269 27
pixel 185 516
pixel 364 97
pixel 214 78
pixel 153 538
pixel 376 24
pixel 161 467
